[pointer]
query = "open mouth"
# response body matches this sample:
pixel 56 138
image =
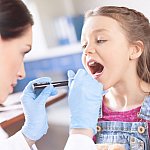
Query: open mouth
pixel 95 67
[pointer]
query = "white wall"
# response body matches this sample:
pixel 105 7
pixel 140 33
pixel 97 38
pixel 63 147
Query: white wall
pixel 38 41
pixel 140 5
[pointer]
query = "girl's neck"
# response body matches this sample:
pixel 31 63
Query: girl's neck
pixel 123 97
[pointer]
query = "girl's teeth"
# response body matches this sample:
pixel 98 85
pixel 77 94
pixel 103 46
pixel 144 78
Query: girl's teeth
pixel 91 63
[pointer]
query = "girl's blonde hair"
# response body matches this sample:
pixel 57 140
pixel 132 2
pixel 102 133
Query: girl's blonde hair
pixel 136 27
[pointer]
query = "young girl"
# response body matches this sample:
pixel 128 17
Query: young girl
pixel 116 52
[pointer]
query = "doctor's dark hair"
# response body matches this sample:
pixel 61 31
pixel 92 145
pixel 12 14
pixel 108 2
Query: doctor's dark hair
pixel 136 27
pixel 15 18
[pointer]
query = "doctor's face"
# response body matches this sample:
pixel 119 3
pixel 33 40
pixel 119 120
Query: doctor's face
pixel 11 61
pixel 105 50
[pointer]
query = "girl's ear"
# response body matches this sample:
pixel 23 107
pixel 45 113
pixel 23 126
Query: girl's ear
pixel 136 50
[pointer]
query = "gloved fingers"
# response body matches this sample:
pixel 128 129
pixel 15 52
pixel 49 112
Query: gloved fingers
pixel 29 92
pixel 83 78
pixel 29 87
pixel 89 81
pixel 46 92
pixel 78 77
pixel 81 73
pixel 53 90
pixel 70 75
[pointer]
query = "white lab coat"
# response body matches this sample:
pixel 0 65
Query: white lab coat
pixel 75 142
pixel 15 142
pixel 80 142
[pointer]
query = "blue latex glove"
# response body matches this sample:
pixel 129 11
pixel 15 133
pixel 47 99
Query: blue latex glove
pixel 85 97
pixel 33 102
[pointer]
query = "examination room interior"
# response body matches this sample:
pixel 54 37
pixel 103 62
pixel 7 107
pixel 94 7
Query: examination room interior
pixel 56 49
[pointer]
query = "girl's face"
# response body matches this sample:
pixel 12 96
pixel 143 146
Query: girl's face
pixel 105 50
pixel 11 61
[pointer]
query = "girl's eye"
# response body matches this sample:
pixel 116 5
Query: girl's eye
pixel 84 46
pixel 101 41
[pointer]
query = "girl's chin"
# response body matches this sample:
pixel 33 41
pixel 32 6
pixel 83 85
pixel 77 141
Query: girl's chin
pixel 97 77
pixel 105 84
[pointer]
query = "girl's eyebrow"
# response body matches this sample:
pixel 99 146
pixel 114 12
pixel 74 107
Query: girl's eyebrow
pixel 97 31
pixel 100 30
pixel 93 32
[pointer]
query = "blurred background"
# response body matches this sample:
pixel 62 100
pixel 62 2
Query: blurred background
pixel 56 49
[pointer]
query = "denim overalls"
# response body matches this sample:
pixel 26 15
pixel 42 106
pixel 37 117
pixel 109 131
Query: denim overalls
pixel 133 135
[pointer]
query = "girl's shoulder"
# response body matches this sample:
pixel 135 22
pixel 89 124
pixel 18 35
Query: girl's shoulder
pixel 145 109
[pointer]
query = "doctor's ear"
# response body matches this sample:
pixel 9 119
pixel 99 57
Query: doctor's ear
pixel 0 37
pixel 136 50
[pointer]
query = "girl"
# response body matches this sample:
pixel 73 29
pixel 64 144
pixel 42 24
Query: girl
pixel 116 52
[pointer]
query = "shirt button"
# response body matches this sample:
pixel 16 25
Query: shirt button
pixel 99 128
pixel 141 129
pixel 132 139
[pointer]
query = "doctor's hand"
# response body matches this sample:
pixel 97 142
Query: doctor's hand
pixel 33 102
pixel 85 98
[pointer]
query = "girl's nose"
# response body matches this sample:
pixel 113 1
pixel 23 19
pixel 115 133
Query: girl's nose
pixel 89 51
pixel 21 73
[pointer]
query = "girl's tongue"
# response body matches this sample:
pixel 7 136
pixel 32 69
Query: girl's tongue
pixel 95 67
